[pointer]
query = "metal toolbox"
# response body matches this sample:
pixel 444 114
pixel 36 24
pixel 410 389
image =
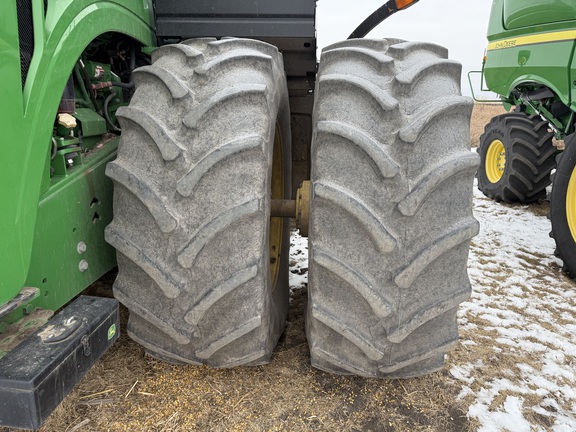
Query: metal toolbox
pixel 39 373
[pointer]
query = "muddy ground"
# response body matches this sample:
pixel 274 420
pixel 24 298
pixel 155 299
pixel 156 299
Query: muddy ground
pixel 129 391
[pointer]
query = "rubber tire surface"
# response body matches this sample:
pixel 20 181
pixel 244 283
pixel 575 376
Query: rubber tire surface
pixel 391 213
pixel 192 203
pixel 565 240
pixel 530 158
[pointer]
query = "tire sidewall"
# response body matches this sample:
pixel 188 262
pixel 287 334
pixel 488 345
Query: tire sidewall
pixel 281 287
pixel 529 158
pixel 565 242
pixel 493 132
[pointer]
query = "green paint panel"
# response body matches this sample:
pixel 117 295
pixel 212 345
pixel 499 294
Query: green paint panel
pixel 69 250
pixel 13 254
pixel 92 124
pixel 525 13
pixel 535 49
pixel 543 63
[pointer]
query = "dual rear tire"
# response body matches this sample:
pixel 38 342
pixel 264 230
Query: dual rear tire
pixel 203 268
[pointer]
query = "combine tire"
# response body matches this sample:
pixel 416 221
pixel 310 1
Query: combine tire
pixel 563 206
pixel 391 213
pixel 203 268
pixel 516 158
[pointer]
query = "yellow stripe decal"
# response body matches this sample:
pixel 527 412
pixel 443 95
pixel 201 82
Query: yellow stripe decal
pixel 533 39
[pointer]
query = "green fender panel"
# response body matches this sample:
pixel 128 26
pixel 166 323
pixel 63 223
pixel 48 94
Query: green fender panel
pixel 531 42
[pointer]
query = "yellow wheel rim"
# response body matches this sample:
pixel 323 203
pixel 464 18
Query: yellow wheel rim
pixel 571 204
pixel 276 223
pixel 495 161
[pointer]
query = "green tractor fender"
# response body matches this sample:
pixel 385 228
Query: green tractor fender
pixel 61 33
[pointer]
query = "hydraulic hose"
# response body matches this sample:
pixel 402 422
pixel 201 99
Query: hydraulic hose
pixel 383 12
pixel 129 84
pixel 106 114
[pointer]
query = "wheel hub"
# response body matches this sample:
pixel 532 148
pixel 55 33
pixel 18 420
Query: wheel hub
pixel 299 209
pixel 571 204
pixel 495 161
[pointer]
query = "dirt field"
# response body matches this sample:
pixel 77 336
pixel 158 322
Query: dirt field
pixel 129 391
pixel 481 115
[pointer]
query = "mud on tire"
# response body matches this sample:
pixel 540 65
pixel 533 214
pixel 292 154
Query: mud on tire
pixel 193 182
pixel 391 213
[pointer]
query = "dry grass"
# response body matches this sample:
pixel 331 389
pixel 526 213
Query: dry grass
pixel 129 391
pixel 481 116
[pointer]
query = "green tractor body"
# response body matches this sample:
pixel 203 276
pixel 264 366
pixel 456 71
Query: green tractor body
pixel 530 64
pixel 57 200
pixel 530 50
pixel 51 205
pixel 170 139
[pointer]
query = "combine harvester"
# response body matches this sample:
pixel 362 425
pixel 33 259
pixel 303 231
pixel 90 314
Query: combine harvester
pixel 530 63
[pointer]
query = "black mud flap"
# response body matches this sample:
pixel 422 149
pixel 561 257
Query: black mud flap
pixel 40 372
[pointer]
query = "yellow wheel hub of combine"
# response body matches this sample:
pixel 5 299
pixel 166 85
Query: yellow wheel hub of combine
pixel 495 161
pixel 571 204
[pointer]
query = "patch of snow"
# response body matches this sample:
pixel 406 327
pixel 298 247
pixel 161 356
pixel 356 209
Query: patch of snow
pixel 298 261
pixel 509 418
pixel 529 307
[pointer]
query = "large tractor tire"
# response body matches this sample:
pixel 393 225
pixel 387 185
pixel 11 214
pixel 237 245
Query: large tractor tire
pixel 205 146
pixel 563 206
pixel 516 158
pixel 391 210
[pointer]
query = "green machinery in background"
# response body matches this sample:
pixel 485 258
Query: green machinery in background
pixel 530 63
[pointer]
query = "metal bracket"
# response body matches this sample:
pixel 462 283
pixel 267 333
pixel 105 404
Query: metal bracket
pixel 27 294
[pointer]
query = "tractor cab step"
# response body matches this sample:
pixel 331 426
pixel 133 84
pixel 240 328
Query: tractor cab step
pixel 22 297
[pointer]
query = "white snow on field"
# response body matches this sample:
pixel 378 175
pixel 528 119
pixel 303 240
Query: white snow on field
pixel 517 355
pixel 298 261
pixel 523 315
